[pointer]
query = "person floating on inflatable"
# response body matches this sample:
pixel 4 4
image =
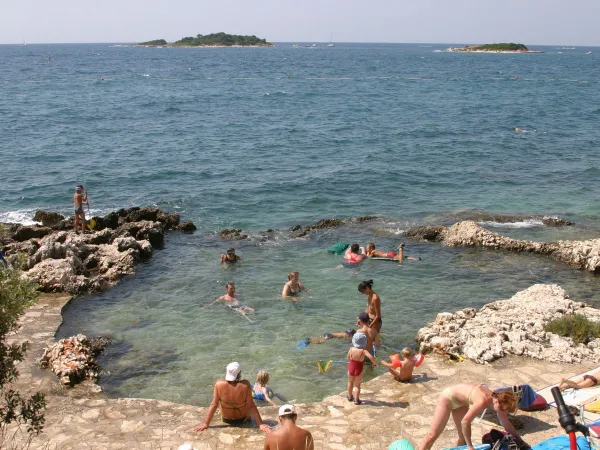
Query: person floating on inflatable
pixel 406 366
pixel 260 390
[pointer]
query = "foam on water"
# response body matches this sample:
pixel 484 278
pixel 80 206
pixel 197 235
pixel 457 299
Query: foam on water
pixel 520 224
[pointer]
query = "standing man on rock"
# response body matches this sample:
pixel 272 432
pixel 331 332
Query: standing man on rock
pixel 79 199
pixel 289 436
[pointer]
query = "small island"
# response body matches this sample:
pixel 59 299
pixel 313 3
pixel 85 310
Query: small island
pixel 154 43
pixel 494 48
pixel 211 40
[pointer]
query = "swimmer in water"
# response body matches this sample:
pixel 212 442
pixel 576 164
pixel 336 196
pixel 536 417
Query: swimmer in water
pixel 232 300
pixel 522 130
pixel 372 253
pixel 355 254
pixel 230 257
pixel 292 288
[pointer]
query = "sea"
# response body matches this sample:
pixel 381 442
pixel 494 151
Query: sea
pixel 269 138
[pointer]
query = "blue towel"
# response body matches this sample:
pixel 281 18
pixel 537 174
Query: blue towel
pixel 524 392
pixel 561 443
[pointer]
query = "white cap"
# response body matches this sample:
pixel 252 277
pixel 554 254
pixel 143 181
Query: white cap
pixel 285 410
pixel 359 340
pixel 233 370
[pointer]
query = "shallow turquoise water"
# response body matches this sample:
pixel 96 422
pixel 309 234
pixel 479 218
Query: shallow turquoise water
pixel 224 137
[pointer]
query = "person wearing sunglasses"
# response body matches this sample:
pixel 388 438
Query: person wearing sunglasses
pixel 230 257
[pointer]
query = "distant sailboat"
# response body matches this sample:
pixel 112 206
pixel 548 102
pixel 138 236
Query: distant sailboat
pixel 331 44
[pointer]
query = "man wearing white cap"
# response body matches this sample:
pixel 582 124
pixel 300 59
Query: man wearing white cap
pixel 234 396
pixel 289 436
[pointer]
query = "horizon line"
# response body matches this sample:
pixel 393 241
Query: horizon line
pixel 292 42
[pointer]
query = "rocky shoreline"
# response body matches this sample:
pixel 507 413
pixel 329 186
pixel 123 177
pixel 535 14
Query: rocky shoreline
pixel 584 255
pixel 512 327
pixel 60 260
pixel 83 417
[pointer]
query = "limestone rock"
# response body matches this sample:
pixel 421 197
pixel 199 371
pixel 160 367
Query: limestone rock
pixel 48 218
pixel 60 260
pixel 26 232
pixel 233 234
pixel 186 227
pixel 579 254
pixel 73 359
pixel 514 326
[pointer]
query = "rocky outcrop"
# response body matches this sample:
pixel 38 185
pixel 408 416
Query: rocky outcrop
pixel 74 359
pixel 295 232
pixel 514 326
pixel 484 216
pixel 63 261
pixel 48 219
pixel 583 255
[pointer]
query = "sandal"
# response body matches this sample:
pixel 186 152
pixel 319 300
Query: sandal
pixel 350 398
pixel 357 402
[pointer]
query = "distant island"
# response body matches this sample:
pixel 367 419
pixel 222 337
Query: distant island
pixel 494 48
pixel 211 40
pixel 154 43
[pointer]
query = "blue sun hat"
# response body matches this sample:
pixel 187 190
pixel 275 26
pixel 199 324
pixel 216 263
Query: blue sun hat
pixel 359 340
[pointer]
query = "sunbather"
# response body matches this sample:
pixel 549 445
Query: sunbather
pixel 580 381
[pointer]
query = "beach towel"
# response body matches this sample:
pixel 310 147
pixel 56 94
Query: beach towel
pixel 576 397
pixel 561 443
pixel 524 392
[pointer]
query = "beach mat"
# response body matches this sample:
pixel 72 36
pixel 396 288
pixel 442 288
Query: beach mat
pixel 575 397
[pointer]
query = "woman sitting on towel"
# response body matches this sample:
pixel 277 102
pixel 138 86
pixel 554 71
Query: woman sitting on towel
pixel 580 382
pixel 465 402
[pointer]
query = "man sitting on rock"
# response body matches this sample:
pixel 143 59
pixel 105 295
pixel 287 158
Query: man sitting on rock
pixel 289 436
pixel 234 396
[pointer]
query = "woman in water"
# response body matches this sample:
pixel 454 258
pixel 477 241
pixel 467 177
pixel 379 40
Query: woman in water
pixel 355 254
pixel 292 288
pixel 230 257
pixel 373 304
pixel 465 402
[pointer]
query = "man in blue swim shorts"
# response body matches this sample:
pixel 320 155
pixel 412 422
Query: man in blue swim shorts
pixel 79 199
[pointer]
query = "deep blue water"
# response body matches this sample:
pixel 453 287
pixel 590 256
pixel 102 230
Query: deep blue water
pixel 261 138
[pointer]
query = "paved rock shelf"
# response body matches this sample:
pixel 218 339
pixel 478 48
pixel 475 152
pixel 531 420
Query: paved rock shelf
pixel 82 418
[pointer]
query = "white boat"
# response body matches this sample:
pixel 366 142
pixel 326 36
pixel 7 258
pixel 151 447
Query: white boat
pixel 331 44
pixel 588 53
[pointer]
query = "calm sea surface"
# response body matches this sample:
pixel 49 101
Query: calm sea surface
pixel 267 138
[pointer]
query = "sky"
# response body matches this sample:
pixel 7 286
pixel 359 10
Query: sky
pixel 531 22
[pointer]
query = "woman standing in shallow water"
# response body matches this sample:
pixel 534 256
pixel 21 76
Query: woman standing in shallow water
pixel 373 304
pixel 293 287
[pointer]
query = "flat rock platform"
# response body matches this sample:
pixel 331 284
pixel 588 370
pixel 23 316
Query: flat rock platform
pixel 84 418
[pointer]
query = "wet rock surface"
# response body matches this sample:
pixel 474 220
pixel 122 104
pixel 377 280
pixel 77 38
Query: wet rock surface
pixel 512 327
pixel 60 260
pixel 583 255
pixel 295 232
pixel 484 216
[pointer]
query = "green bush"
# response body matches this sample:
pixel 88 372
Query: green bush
pixel 16 294
pixel 578 327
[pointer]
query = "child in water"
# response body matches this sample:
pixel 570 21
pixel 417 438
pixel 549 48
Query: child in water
pixel 260 389
pixel 405 371
pixel 356 357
